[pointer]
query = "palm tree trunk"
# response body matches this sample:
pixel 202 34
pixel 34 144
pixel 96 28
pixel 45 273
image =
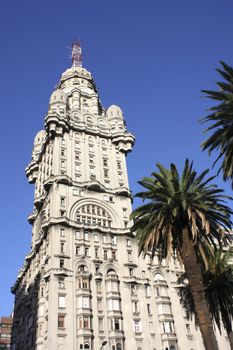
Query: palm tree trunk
pixel 193 271
pixel 230 337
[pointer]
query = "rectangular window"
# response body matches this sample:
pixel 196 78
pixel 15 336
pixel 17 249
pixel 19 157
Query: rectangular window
pixel 129 256
pixel 129 244
pixel 77 235
pixel 105 254
pixel 119 165
pixel 104 151
pixel 105 162
pixel 63 164
pixel 61 321
pixel 188 329
pixel 63 152
pixel 61 302
pixel 147 291
pixel 96 238
pixel 104 238
pixel 77 167
pixel 86 236
pixel 137 326
pixel 62 232
pixel 86 323
pixel 113 254
pixel 135 307
pixel 62 247
pixel 101 324
pixel 61 282
pixel 63 142
pixel 86 251
pixel 105 173
pixel 77 250
pixel 77 145
pixel 62 263
pixel 114 240
pixel 96 253
pixel 148 309
pixel 99 304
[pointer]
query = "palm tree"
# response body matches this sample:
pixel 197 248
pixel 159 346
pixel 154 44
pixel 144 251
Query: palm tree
pixel 182 215
pixel 221 119
pixel 218 281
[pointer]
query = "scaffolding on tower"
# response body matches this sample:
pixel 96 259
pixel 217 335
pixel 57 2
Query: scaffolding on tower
pixel 76 54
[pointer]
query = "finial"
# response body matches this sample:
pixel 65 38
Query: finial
pixel 76 54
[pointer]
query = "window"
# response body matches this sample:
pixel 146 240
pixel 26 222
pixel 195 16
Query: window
pixel 133 289
pixel 62 263
pixel 130 271
pixel 105 173
pixel 62 201
pixel 167 327
pixel 86 251
pixel 62 247
pixel 63 142
pixel 164 309
pixel 77 235
pixel 113 254
pixel 116 324
pixel 83 283
pixel 63 152
pixel 61 302
pixel 135 307
pixel 77 250
pixel 91 148
pixel 61 282
pixel 63 164
pixel 105 254
pixel 86 323
pixel 77 167
pixel 113 305
pixel 137 326
pixel 129 256
pixel 148 309
pixel 147 290
pixel 96 253
pixel 114 240
pixel 77 145
pixel 61 321
pixel 101 324
pixel 119 165
pixel 62 232
pixel 188 329
pixel 84 302
pixel 104 151
pixel 105 162
pixel 104 238
pixel 86 236
pixel 96 238
pixel 128 243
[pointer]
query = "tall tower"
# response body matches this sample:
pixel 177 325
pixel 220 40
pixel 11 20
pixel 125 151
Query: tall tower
pixel 82 285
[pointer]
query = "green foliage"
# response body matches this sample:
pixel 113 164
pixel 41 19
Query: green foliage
pixel 221 119
pixel 173 202
pixel 218 282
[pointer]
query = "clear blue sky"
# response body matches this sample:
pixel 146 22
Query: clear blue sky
pixel 150 57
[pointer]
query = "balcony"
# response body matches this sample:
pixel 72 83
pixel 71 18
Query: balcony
pixel 168 336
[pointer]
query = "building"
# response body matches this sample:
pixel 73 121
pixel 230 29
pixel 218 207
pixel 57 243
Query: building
pixel 5 332
pixel 83 285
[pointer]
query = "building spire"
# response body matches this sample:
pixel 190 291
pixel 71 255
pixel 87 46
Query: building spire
pixel 76 54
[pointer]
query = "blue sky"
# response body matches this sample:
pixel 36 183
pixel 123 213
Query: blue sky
pixel 150 57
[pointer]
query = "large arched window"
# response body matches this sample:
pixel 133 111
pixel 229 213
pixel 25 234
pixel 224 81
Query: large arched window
pixel 92 214
pixel 86 345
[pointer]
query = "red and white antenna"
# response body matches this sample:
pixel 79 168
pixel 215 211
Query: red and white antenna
pixel 76 54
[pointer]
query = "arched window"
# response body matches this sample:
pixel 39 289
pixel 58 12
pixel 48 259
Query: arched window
pixel 86 345
pixel 82 268
pixel 158 277
pixel 81 346
pixel 118 346
pixel 111 272
pixel 91 214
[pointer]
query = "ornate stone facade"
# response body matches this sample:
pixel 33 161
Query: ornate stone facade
pixel 83 285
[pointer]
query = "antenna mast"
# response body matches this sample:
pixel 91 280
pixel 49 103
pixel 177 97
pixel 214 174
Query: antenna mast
pixel 76 54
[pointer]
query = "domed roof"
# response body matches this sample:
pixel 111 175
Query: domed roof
pixel 114 111
pixel 58 96
pixel 39 138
